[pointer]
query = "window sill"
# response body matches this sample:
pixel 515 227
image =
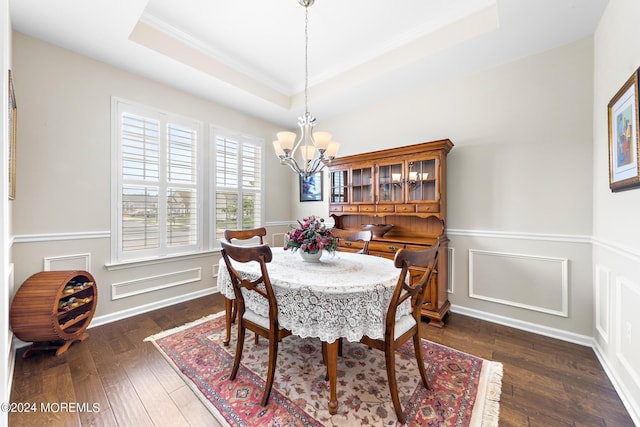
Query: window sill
pixel 122 265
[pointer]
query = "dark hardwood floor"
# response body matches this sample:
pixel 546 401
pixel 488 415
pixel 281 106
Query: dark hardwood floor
pixel 546 382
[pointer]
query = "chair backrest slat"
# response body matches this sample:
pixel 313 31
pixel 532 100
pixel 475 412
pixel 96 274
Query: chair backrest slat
pixel 353 236
pixel 245 234
pixel 405 259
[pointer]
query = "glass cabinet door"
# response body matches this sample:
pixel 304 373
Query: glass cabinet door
pixel 390 180
pixel 339 186
pixel 421 178
pixel 362 185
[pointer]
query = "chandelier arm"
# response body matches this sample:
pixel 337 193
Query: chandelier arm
pixel 291 162
pixel 313 167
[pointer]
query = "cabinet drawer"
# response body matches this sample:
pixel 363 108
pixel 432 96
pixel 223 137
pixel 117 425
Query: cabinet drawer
pixel 335 208
pixel 428 207
pixel 405 208
pixel 388 255
pixel 350 246
pixel 390 248
pixel 350 208
pixel 367 208
pixel 386 208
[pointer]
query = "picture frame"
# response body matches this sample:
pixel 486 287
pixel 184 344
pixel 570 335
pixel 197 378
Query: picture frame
pixel 12 125
pixel 311 187
pixel 624 165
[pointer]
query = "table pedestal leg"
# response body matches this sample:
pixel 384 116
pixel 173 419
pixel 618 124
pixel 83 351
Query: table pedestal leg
pixel 332 369
pixel 228 308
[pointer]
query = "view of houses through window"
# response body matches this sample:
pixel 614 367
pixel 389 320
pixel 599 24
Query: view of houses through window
pixel 238 195
pixel 160 193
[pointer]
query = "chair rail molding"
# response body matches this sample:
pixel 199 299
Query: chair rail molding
pixel 571 238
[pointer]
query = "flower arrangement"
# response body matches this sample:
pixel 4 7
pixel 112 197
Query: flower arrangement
pixel 311 236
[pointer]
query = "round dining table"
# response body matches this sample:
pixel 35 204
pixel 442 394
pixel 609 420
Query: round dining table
pixel 345 295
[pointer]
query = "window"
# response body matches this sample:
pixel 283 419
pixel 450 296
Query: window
pixel 238 182
pixel 156 183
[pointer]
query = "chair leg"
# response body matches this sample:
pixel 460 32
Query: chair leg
pixel 229 317
pixel 417 346
pixel 390 359
pixel 239 347
pixel 273 356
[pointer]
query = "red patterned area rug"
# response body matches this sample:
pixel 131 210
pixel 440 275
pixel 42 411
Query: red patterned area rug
pixel 465 389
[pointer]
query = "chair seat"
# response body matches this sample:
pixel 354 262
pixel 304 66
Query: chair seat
pixel 254 317
pixel 403 324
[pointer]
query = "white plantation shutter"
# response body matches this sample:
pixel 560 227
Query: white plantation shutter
pixel 157 183
pixel 182 214
pixel 238 194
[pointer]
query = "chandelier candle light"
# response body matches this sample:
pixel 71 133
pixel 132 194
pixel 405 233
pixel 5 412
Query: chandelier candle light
pixel 313 150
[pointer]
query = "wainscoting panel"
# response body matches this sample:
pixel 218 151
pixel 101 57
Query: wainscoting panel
pixel 154 283
pixel 526 281
pixel 602 286
pixel 628 342
pixel 68 262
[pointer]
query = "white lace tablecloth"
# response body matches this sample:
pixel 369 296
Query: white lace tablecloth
pixel 344 295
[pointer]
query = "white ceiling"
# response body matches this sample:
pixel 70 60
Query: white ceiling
pixel 249 55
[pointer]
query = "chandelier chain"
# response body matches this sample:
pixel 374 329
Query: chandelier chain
pixel 306 58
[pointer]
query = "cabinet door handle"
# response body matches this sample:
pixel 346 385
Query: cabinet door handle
pixel 347 243
pixel 392 248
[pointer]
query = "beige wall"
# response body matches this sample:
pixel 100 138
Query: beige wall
pixel 518 182
pixel 7 355
pixel 616 228
pixel 64 204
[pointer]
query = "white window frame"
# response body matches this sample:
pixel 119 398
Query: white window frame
pixel 220 132
pixel 118 107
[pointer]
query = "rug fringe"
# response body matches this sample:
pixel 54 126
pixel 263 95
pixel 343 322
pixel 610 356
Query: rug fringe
pixel 491 376
pixel 183 327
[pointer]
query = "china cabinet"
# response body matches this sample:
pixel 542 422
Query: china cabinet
pixel 406 187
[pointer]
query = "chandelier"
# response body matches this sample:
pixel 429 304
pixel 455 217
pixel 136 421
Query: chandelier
pixel 313 150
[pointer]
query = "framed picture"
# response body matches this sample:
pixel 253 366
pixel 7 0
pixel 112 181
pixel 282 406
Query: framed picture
pixel 624 166
pixel 311 188
pixel 13 117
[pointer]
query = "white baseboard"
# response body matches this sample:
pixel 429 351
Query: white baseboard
pixel 525 326
pixel 621 389
pixel 113 317
pixel 108 318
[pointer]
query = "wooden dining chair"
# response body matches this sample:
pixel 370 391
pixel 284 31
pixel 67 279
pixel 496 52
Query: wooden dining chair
pixel 353 236
pixel 245 235
pixel 247 319
pixel 241 237
pixel 398 331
